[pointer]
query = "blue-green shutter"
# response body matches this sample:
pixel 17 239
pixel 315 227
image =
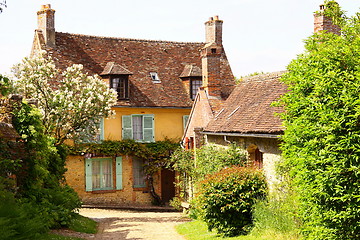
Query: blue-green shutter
pixel 127 127
pixel 148 128
pixel 119 173
pixel 102 131
pixel 185 120
pixel 88 174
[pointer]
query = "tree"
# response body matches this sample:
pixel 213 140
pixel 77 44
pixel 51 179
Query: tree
pixel 321 143
pixel 72 103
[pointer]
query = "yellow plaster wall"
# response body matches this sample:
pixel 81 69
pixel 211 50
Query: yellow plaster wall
pixel 168 122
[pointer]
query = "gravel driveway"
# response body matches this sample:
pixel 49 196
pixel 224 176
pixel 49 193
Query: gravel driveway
pixel 132 225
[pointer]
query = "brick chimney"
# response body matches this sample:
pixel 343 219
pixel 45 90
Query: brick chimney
pixel 210 57
pixel 46 24
pixel 213 30
pixel 324 23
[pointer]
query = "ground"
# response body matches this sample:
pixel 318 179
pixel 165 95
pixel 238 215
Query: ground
pixel 131 225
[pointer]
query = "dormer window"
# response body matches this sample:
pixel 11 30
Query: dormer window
pixel 118 77
pixel 154 76
pixel 120 84
pixel 194 87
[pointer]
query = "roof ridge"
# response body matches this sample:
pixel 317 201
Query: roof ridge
pixel 265 76
pixel 129 39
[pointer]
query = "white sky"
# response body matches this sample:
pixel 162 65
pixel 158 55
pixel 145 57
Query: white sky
pixel 258 35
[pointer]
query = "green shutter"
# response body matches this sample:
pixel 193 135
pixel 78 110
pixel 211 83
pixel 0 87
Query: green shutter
pixel 102 133
pixel 88 174
pixel 119 173
pixel 126 127
pixel 185 120
pixel 148 128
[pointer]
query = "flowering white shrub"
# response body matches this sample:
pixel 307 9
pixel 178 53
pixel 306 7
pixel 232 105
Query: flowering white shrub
pixel 72 103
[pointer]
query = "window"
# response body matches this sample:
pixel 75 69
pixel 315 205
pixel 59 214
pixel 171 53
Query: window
pixel 99 174
pixel 194 87
pixel 138 173
pixel 139 127
pixel 154 76
pixel 120 84
pixel 185 120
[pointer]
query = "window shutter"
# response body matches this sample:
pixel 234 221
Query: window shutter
pixel 119 173
pixel 185 120
pixel 88 174
pixel 102 133
pixel 148 128
pixel 126 127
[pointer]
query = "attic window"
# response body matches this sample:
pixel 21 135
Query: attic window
pixel 154 76
pixel 120 83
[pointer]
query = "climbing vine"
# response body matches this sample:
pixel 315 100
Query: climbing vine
pixel 156 155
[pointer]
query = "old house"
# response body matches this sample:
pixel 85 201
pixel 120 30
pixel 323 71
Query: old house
pixel 246 117
pixel 156 82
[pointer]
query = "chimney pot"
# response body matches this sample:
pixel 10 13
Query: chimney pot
pixel 216 17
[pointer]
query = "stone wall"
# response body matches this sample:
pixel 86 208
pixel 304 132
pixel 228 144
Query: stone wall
pixel 75 177
pixel 269 147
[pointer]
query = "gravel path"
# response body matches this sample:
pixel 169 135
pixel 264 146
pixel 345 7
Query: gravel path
pixel 132 225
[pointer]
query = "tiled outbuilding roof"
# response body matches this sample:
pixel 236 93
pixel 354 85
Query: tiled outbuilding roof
pixel 248 109
pixel 140 57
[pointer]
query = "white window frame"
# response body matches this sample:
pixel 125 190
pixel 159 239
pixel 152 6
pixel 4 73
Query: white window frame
pixel 155 77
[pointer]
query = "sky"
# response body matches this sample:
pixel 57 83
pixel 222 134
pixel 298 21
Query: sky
pixel 258 35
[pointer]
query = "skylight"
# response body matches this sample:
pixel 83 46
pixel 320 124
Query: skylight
pixel 154 76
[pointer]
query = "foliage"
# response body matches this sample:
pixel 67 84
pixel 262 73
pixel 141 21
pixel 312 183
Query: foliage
pixel 209 159
pixel 226 198
pixel 276 216
pixel 71 102
pixel 156 155
pixel 19 221
pixel 5 86
pixel 39 174
pixel 321 144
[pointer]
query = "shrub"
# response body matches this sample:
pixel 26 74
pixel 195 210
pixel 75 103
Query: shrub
pixel 226 198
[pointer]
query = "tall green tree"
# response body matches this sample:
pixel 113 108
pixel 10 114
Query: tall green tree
pixel 321 143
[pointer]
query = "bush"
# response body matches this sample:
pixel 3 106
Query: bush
pixel 226 199
pixel 19 221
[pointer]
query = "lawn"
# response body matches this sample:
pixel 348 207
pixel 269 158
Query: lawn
pixel 197 230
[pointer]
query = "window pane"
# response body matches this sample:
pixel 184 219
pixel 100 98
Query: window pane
pixel 96 174
pixel 137 127
pixel 106 174
pixel 195 84
pixel 138 173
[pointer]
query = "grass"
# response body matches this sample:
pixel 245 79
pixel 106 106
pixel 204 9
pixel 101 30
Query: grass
pixel 197 230
pixel 83 224
pixel 78 224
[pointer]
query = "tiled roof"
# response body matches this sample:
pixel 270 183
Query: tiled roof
pixel 248 109
pixel 140 57
pixel 112 68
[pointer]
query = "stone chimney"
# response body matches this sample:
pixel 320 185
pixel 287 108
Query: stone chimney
pixel 46 24
pixel 211 58
pixel 213 30
pixel 324 23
